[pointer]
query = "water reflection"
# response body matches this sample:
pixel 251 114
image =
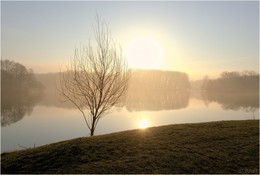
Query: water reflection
pixel 14 108
pixel 156 100
pixel 233 90
pixel 138 100
pixel 248 102
pixel 19 92
pixel 140 97
pixel 142 123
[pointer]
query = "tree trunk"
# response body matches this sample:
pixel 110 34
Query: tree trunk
pixel 93 127
pixel 92 132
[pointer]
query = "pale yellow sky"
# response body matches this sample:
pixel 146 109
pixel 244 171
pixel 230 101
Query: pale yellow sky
pixel 199 38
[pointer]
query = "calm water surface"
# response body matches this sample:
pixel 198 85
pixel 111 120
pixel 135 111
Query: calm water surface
pixel 52 123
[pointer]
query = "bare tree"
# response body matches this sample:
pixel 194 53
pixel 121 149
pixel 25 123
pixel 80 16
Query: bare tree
pixel 96 78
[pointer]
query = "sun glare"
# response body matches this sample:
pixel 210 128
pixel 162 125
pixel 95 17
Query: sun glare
pixel 142 124
pixel 144 52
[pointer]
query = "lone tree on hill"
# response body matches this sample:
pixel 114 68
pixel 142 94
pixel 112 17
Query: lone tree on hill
pixel 96 78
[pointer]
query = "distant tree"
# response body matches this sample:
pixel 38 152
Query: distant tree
pixel 19 91
pixel 205 83
pixel 159 80
pixel 242 82
pixel 229 75
pixel 234 89
pixel 247 73
pixel 96 78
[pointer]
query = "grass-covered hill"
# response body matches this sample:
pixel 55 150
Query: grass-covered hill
pixel 215 147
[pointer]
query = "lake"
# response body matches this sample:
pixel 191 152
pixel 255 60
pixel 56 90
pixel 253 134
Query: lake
pixel 51 121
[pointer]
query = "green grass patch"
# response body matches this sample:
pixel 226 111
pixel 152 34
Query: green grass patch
pixel 226 147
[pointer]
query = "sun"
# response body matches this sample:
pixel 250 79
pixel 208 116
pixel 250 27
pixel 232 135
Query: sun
pixel 144 53
pixel 142 124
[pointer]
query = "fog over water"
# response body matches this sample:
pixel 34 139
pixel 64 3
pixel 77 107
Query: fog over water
pixel 156 97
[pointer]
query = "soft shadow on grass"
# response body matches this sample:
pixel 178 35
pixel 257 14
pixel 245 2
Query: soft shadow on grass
pixel 215 147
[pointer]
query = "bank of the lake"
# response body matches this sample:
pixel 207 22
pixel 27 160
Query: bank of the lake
pixel 214 147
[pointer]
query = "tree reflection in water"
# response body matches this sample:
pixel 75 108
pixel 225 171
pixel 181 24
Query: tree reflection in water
pixel 156 100
pixel 156 90
pixel 161 90
pixel 148 91
pixel 151 90
pixel 15 108
pixel 248 102
pixel 233 90
pixel 19 92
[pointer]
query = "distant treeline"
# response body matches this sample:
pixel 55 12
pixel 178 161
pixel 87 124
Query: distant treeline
pixel 233 90
pixel 157 79
pixel 20 91
pixel 157 90
pixel 233 82
pixel 148 90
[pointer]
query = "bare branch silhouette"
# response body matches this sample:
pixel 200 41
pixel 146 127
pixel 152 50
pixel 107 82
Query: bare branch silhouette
pixel 96 78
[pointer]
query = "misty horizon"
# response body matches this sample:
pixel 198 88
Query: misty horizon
pixel 178 37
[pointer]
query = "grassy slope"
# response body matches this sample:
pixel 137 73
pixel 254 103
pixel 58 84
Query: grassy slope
pixel 216 147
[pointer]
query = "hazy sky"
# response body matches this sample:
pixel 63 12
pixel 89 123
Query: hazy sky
pixel 199 38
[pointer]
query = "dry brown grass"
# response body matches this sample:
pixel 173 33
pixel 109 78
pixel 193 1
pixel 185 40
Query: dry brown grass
pixel 215 147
